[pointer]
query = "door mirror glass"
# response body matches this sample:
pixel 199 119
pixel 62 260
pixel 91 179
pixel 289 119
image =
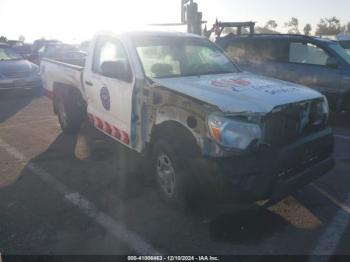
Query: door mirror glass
pixel 115 69
pixel 332 62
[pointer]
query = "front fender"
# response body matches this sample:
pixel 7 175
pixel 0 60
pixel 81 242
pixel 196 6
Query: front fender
pixel 192 121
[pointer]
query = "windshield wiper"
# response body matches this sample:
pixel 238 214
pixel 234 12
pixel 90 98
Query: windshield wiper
pixel 209 73
pixel 168 76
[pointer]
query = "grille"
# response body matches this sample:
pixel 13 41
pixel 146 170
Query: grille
pixel 16 74
pixel 289 123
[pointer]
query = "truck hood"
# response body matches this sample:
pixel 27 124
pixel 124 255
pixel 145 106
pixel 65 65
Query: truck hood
pixel 15 66
pixel 239 92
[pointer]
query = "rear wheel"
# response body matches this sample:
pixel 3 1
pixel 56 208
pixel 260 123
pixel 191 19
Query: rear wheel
pixel 70 111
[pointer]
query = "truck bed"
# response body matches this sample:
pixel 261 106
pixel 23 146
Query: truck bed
pixel 61 72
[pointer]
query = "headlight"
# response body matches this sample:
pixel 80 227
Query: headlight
pixel 325 106
pixel 319 111
pixel 233 134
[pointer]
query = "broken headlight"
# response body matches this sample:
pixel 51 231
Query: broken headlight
pixel 233 133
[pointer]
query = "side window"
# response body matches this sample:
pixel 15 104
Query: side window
pixel 307 53
pixel 271 50
pixel 113 52
pixel 259 50
pixel 237 50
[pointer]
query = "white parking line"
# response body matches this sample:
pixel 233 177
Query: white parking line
pixel 335 201
pixel 342 137
pixel 328 241
pixel 29 122
pixel 122 234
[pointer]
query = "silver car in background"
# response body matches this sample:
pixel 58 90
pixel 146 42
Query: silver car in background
pixel 16 72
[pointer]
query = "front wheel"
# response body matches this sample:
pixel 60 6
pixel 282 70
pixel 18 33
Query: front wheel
pixel 173 178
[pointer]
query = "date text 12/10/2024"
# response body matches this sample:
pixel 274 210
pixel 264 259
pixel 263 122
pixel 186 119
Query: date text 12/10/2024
pixel 173 258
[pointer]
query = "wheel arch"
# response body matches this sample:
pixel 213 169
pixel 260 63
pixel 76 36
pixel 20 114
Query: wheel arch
pixel 174 131
pixel 61 88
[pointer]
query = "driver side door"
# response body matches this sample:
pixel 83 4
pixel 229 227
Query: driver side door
pixel 110 97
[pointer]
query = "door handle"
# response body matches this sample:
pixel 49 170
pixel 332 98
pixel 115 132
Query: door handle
pixel 88 83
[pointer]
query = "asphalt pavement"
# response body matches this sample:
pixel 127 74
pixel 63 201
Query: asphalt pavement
pixel 65 195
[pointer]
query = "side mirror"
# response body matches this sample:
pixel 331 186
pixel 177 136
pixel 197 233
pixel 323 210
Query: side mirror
pixel 116 69
pixel 34 57
pixel 332 62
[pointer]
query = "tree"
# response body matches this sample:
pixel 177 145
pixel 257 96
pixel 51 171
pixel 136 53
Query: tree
pixel 271 24
pixel 269 28
pixel 329 26
pixel 293 25
pixel 3 39
pixel 348 28
pixel 307 29
pixel 21 38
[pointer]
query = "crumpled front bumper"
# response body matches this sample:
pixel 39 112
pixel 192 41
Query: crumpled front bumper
pixel 268 173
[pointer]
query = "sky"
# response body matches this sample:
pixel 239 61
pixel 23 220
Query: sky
pixel 77 20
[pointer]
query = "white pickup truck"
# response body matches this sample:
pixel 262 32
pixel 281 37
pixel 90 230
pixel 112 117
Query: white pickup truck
pixel 205 127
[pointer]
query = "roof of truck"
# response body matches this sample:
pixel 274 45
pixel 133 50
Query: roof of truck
pixel 156 33
pixel 279 36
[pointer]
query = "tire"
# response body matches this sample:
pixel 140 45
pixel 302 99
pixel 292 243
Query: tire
pixel 173 178
pixel 70 111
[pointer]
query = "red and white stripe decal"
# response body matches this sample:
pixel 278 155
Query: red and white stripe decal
pixel 108 128
pixel 111 130
pixel 99 123
pixel 91 119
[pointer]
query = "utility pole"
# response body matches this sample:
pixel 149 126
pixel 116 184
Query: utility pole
pixel 183 11
pixel 191 16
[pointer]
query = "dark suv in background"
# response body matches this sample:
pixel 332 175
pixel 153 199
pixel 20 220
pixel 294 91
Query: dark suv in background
pixel 345 44
pixel 315 62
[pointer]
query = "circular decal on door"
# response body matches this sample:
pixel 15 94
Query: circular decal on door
pixel 105 98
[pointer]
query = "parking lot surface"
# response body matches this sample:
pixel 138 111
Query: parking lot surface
pixel 63 194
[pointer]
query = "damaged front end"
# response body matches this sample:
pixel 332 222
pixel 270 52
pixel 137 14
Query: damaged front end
pixel 247 131
pixel 287 123
pixel 269 155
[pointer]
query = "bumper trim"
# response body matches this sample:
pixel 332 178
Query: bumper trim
pixel 282 189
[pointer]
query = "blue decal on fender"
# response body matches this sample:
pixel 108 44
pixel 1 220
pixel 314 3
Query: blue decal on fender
pixel 105 98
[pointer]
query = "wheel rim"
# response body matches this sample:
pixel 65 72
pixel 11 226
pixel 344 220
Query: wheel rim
pixel 166 174
pixel 62 113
